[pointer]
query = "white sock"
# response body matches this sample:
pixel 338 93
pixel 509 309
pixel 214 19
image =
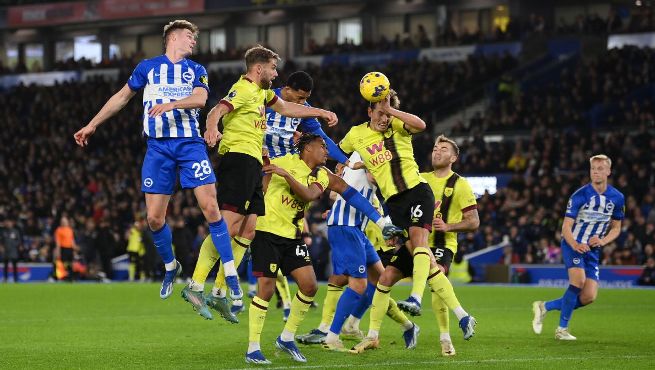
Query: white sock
pixel 196 287
pixel 219 292
pixel 253 346
pixel 171 265
pixel 286 305
pixel 286 336
pixel 324 328
pixel 230 270
pixel 445 336
pixel 237 302
pixel 408 325
pixel 351 322
pixel 332 337
pixel 460 313
pixel 417 297
pixel 373 333
pixel 252 287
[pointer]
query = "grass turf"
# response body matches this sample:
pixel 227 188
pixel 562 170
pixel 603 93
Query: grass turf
pixel 128 326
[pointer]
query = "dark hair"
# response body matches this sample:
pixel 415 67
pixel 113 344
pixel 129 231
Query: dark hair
pixel 300 80
pixel 393 96
pixel 179 24
pixel 259 54
pixel 304 140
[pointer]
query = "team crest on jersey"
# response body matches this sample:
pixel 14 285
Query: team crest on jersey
pixel 609 206
pixel 273 267
pixel 576 261
pixel 148 182
pixel 448 192
pixel 232 95
pixel 204 80
pixel 361 269
pixel 188 76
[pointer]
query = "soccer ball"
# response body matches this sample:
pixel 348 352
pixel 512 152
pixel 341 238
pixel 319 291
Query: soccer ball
pixel 374 86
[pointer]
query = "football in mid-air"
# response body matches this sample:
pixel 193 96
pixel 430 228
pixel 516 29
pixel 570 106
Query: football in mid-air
pixel 374 86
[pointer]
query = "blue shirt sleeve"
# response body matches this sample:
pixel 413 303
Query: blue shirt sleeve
pixel 139 77
pixel 313 126
pixel 202 78
pixel 619 208
pixel 573 206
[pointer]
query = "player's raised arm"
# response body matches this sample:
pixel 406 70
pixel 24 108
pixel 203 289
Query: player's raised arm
pixel 213 117
pixel 294 110
pixel 306 193
pixel 413 123
pixel 111 107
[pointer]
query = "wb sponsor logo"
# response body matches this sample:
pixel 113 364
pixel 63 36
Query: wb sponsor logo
pixel 293 203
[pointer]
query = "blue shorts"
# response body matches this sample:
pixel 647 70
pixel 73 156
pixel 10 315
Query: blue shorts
pixel 352 252
pixel 168 156
pixel 588 261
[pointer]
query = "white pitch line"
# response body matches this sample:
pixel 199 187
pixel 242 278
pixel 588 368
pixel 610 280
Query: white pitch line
pixel 455 362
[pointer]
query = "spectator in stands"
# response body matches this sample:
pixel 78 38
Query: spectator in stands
pixel 648 275
pixel 11 243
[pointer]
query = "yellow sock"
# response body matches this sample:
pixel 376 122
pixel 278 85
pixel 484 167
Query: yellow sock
pixel 440 285
pixel 441 313
pixel 206 261
pixel 131 271
pixel 282 285
pixel 239 247
pixel 256 318
pixel 395 313
pixel 420 272
pixel 330 306
pixel 379 307
pixel 299 307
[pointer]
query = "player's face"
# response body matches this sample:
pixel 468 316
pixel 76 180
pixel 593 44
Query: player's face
pixel 379 119
pixel 318 151
pixel 599 171
pixel 268 73
pixel 442 155
pixel 296 96
pixel 185 41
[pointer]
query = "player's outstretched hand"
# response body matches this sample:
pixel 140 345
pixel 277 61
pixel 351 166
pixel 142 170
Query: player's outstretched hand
pixel 595 241
pixel 581 248
pixel 82 136
pixel 160 109
pixel 385 105
pixel 389 230
pixel 271 168
pixel 212 136
pixel 359 166
pixel 439 225
pixel 330 117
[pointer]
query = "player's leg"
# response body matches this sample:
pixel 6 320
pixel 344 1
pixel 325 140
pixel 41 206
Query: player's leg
pixel 252 280
pixel 282 285
pixel 265 263
pixel 297 263
pixel 569 301
pixel 442 314
pixel 335 286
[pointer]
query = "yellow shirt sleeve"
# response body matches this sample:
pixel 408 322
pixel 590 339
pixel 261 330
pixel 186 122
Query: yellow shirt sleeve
pixel 238 96
pixel 346 145
pixel 321 179
pixel 271 98
pixel 464 196
pixel 399 126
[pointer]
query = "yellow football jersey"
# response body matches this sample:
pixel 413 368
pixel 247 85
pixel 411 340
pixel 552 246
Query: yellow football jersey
pixel 244 126
pixel 388 155
pixel 284 210
pixel 463 200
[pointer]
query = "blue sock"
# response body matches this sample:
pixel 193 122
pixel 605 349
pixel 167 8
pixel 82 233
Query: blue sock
pixel 568 305
pixel 347 302
pixel 221 238
pixel 352 197
pixel 251 278
pixel 163 239
pixel 365 303
pixel 556 304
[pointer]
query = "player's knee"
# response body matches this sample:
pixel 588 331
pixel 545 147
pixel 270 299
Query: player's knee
pixel 155 222
pixel 385 280
pixel 309 289
pixel 210 209
pixel 358 285
pixel 265 289
pixel 587 298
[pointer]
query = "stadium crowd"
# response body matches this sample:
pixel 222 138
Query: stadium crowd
pixel 46 176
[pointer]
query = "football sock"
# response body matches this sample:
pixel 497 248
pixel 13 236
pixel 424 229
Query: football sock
pixel 299 307
pixel 282 285
pixel 556 304
pixel 441 286
pixel 329 306
pixel 397 315
pixel 568 304
pixel 379 307
pixel 206 260
pixel 256 318
pixel 221 238
pixel 239 247
pixel 442 313
pixel 420 272
pixel 163 242
pixel 348 301
pixel 365 302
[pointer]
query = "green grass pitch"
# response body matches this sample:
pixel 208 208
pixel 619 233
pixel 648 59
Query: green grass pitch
pixel 124 326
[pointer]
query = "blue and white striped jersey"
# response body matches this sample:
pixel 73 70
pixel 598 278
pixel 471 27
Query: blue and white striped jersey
pixel 593 212
pixel 278 138
pixel 164 82
pixel 341 213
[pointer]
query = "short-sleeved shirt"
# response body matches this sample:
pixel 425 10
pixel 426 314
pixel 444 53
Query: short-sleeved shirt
pixel 285 211
pixel 388 155
pixel 463 200
pixel 593 212
pixel 163 81
pixel 64 236
pixel 244 126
